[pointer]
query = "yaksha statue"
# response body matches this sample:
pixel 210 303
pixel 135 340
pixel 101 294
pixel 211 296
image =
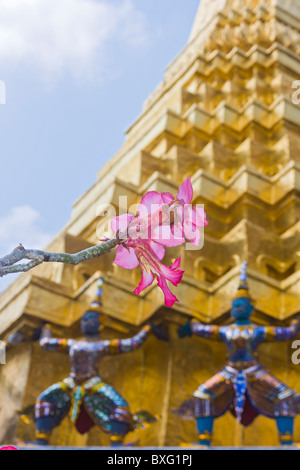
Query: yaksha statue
pixel 243 386
pixel 84 395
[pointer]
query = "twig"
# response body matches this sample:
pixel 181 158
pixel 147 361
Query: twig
pixel 8 263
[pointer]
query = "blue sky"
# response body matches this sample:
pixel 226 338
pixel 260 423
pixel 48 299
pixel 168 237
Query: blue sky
pixel 76 74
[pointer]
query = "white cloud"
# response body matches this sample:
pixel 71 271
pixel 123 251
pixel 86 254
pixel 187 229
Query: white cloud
pixel 58 36
pixel 20 225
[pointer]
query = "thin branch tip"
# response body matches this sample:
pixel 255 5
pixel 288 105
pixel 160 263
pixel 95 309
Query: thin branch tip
pixel 8 264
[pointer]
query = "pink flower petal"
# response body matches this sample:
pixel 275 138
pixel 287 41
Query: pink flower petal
pixel 196 239
pixel 158 250
pixel 126 259
pixel 169 296
pixel 201 216
pixel 176 263
pixel 149 203
pixel 178 232
pixel 121 222
pixel 139 229
pixel 167 197
pixel 163 234
pixel 147 279
pixel 196 215
pixel 191 232
pixel 178 217
pixel 185 191
pixel 172 275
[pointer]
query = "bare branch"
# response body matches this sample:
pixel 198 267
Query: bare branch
pixel 8 263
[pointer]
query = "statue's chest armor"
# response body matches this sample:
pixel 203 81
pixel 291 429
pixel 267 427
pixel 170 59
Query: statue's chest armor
pixel 83 351
pixel 239 337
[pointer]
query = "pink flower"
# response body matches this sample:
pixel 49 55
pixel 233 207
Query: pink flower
pixel 161 220
pixel 148 254
pixel 152 222
pixel 164 218
pixel 186 219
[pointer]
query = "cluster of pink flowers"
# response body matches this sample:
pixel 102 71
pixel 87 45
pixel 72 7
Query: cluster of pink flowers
pixel 161 220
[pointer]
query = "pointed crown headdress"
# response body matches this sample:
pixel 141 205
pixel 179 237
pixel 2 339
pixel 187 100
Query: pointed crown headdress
pixel 96 304
pixel 243 289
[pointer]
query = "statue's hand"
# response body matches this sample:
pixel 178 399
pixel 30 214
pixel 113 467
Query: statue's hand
pixel 16 338
pixel 45 332
pixel 159 332
pixel 37 332
pixel 185 330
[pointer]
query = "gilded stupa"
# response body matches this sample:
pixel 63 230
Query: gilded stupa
pixel 225 115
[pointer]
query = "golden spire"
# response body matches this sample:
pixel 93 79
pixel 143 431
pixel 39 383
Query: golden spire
pixel 207 10
pixel 96 304
pixel 243 289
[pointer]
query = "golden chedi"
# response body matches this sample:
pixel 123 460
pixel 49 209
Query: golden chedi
pixel 225 115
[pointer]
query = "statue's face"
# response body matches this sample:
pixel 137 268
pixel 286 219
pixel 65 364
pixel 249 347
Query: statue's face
pixel 241 309
pixel 90 323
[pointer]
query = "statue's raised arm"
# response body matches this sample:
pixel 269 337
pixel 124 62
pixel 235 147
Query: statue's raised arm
pixel 278 333
pixel 119 346
pixel 194 327
pixel 53 344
